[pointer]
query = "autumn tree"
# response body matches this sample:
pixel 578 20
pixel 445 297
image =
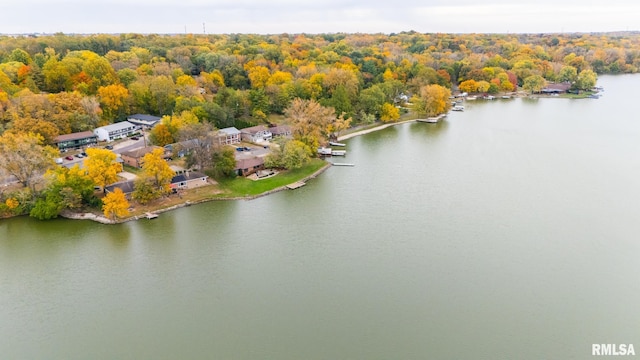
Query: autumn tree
pixel 312 123
pixel 25 157
pixel 389 113
pixel 433 100
pixel 534 83
pixel 115 205
pixel 101 166
pixel 586 80
pixel 468 86
pixel 157 169
pixel 113 99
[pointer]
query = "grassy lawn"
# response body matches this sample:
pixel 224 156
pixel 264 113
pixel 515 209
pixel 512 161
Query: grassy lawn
pixel 241 186
pixel 582 95
pixel 131 169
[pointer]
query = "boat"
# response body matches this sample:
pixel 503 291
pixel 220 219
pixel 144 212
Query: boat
pixel 332 143
pixel 151 216
pixel 489 97
pixel 324 151
pixel 338 152
pixel 457 108
pixel 506 97
pixel 472 97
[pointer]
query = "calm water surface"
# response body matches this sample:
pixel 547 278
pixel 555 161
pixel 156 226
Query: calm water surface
pixel 511 230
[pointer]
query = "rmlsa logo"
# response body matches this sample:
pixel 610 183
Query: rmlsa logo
pixel 612 349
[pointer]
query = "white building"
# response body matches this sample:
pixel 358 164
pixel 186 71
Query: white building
pixel 115 131
pixel 256 134
pixel 229 136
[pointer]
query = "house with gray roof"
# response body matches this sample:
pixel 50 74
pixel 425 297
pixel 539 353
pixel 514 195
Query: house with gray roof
pixel 144 120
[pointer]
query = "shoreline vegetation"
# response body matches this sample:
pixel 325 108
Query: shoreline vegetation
pixel 190 90
pixel 228 189
pixel 241 188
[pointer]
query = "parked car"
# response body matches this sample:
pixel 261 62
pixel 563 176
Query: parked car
pixel 135 138
pixel 59 161
pixel 69 158
pixel 109 147
pixel 79 156
pixel 239 149
pixel 84 154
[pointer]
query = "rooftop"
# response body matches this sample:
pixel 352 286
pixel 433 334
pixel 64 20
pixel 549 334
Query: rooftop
pixel 75 136
pixel 117 126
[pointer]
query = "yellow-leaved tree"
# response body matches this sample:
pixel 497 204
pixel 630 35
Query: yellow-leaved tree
pixel 115 205
pixel 102 167
pixel 433 100
pixel 158 170
pixel 389 113
pixel 113 100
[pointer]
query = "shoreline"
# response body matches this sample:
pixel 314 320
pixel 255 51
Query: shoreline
pixel 106 221
pixel 377 128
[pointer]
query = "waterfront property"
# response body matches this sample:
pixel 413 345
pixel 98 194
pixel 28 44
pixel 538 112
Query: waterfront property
pixel 76 140
pixel 559 88
pixel 248 166
pixel 127 188
pixel 256 134
pixel 188 180
pixel 144 120
pixel 115 131
pixel 229 136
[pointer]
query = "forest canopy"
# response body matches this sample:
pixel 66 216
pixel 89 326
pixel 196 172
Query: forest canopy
pixel 58 84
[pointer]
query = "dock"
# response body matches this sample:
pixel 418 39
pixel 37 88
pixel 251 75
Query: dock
pixel 295 185
pixel 151 216
pixel 338 152
pixel 332 143
pixel 343 164
pixel 432 120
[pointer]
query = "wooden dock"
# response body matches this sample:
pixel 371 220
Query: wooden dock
pixel 343 164
pixel 295 185
pixel 151 216
pixel 432 120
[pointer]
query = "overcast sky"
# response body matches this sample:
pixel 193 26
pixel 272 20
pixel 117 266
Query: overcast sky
pixel 325 16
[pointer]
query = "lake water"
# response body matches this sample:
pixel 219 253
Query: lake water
pixel 508 231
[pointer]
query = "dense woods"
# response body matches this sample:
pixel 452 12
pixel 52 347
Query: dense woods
pixel 58 84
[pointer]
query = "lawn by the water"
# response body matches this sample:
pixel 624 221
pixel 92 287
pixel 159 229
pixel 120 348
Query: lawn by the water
pixel 240 186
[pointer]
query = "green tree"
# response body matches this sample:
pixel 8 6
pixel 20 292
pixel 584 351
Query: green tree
pixel 568 74
pixel 66 189
pixel 534 83
pixel 144 191
pixel 223 162
pixel 295 154
pixel 586 80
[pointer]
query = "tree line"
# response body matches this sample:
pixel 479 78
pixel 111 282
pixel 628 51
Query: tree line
pixel 318 83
